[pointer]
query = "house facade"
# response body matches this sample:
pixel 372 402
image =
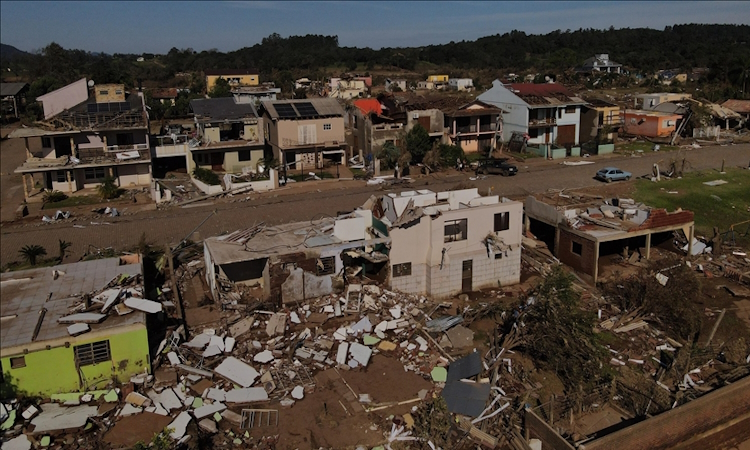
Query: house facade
pixel 369 129
pixel 347 88
pixel 600 63
pixel 390 85
pixel 599 115
pixel 450 242
pixel 475 126
pixel 12 96
pixel 255 94
pixel 38 354
pixel 235 77
pixel 305 132
pixel 461 84
pixel 87 135
pixel 649 123
pixel 548 113
pixel 650 101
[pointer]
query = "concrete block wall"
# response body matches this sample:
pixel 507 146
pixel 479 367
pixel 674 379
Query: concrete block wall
pixel 486 272
pixel 416 283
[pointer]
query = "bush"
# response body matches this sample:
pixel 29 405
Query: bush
pixel 54 197
pixel 206 176
pixel 108 189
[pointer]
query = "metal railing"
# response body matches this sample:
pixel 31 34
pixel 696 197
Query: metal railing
pixel 126 148
pixel 542 122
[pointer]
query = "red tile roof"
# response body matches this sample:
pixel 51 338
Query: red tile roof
pixel 738 106
pixel 368 105
pixel 542 90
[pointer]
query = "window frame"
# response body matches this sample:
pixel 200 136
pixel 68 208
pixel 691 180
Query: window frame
pixel 17 362
pixel 244 155
pixel 462 233
pixel 46 142
pixel 401 270
pixel 93 353
pixel 327 127
pixel 88 177
pixel 570 110
pixel 64 177
pixel 501 221
pixel 329 265
pixel 573 245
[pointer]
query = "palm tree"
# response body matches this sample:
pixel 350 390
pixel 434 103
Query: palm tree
pixel 108 189
pixel 64 245
pixel 31 252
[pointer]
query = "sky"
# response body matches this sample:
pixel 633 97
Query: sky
pixel 155 27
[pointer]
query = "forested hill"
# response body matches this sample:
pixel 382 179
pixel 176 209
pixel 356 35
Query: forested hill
pixel 723 48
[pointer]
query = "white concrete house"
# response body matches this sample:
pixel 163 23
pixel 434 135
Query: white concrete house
pixel 548 113
pixel 450 242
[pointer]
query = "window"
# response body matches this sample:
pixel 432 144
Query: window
pixel 534 133
pixel 401 270
pixel 118 92
pixel 502 221
pixel 559 113
pixel 570 110
pixel 103 92
pixel 95 352
pixel 498 255
pixel 61 178
pixel 326 126
pixel 17 362
pixel 46 142
pixel 93 173
pixel 244 155
pixel 200 159
pixel 577 248
pixel 455 230
pixel 326 266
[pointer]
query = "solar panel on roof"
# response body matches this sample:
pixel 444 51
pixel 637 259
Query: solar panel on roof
pixel 285 110
pixel 306 109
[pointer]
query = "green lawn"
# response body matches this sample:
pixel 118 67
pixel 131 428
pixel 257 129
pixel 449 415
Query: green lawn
pixel 76 200
pixel 714 206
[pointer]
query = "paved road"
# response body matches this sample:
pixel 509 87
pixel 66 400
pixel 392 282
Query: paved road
pixel 171 226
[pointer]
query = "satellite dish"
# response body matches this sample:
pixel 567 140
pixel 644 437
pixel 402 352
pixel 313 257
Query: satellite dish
pixel 91 83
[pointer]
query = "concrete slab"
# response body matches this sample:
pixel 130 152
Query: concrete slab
pixel 78 328
pixel 82 318
pixel 141 304
pixel 208 410
pixel 360 353
pixel 179 425
pixel 55 417
pixel 246 395
pixel 237 371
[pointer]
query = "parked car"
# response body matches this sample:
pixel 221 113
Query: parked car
pixel 610 174
pixel 496 166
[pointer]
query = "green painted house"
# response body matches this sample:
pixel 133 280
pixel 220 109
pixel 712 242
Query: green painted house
pixel 38 355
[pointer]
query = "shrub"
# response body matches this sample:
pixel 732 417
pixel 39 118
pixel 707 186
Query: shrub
pixel 206 176
pixel 108 189
pixel 54 197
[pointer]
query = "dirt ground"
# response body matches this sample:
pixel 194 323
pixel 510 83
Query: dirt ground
pixel 140 427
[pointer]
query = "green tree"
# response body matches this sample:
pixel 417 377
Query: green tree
pixel 108 189
pixel 418 142
pixel 31 252
pixel 63 247
pixel 221 89
pixel 388 155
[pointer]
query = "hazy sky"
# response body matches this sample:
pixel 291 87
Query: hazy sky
pixel 155 27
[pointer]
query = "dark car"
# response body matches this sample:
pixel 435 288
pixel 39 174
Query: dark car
pixel 496 166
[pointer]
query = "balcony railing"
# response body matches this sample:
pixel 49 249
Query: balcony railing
pixel 293 143
pixel 487 127
pixel 174 139
pixel 467 129
pixel 547 121
pixel 126 148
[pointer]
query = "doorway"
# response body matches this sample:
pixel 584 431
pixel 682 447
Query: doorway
pixel 466 270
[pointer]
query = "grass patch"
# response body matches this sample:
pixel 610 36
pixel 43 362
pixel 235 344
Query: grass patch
pixel 714 206
pixel 77 200
pixel 645 146
pixel 358 173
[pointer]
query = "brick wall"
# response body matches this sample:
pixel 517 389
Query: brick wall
pixel 661 218
pixel 585 262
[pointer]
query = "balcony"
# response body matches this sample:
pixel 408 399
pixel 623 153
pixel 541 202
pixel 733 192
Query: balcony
pixel 291 143
pixel 126 148
pixel 172 145
pixel 546 122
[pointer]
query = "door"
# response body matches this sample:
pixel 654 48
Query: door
pixel 466 270
pixel 425 122
pixel 566 135
pixel 217 161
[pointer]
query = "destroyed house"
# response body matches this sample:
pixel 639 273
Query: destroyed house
pixel 305 132
pixel 295 261
pixel 581 232
pixel 548 112
pixel 228 135
pixel 89 132
pixel 68 328
pixel 450 242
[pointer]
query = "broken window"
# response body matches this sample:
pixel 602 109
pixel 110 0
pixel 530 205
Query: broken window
pixel 502 221
pixel 456 230
pixel 326 266
pixel 93 173
pixel 92 353
pixel 17 362
pixel 577 248
pixel 402 270
pixel 533 133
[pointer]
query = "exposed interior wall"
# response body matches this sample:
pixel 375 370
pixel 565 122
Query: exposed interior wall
pixel 128 347
pixel 584 262
pixel 301 285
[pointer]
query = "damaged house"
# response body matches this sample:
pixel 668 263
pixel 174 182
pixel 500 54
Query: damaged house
pixel 73 327
pixel 89 132
pixel 581 231
pixel 449 242
pixel 295 261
